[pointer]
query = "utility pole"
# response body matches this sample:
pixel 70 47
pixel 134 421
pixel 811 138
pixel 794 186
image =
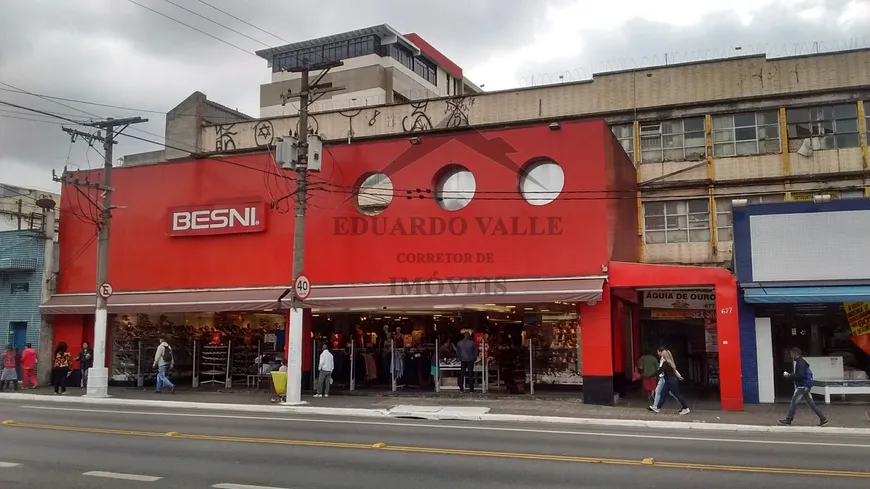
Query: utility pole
pixel 295 338
pixel 98 375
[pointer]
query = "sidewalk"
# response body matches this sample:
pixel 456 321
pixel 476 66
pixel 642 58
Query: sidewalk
pixel 845 418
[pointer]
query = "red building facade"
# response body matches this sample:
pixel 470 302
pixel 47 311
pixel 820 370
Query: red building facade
pixel 352 258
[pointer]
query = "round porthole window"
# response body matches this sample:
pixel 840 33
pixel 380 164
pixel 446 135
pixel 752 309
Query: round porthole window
pixel 541 181
pixel 374 194
pixel 454 187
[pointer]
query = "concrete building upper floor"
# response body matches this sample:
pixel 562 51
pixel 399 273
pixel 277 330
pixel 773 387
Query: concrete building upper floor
pixel 669 105
pixel 183 129
pixel 700 134
pixel 380 66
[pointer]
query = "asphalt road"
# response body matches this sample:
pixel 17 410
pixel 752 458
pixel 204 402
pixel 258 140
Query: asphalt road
pixel 83 447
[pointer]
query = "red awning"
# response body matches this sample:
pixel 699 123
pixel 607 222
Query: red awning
pixel 442 293
pixel 437 293
pixel 173 301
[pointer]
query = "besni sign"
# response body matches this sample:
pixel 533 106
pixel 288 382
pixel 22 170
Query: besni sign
pixel 226 218
pixel 699 299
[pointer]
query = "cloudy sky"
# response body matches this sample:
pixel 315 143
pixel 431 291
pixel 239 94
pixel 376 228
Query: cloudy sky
pixel 134 61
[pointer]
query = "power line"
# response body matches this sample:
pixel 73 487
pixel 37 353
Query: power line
pixel 420 193
pixel 14 112
pixel 216 22
pixel 86 123
pixel 30 120
pixel 245 22
pixel 49 114
pixel 173 19
pixel 21 90
pixel 52 98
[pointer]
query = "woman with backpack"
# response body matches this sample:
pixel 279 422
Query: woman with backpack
pixel 802 376
pixel 163 361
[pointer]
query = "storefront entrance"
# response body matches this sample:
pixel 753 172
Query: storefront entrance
pixel 210 350
pixel 521 348
pixel 819 330
pixel 684 322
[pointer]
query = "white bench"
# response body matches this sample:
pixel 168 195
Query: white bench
pixel 829 379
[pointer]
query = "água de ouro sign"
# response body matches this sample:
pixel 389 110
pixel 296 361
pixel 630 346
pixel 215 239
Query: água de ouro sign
pixel 680 299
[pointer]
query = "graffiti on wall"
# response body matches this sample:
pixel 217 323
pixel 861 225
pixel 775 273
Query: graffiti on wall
pixel 224 137
pixel 457 111
pixel 417 120
pixel 264 133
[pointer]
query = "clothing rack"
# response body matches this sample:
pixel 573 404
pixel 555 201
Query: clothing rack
pixel 244 361
pixel 215 358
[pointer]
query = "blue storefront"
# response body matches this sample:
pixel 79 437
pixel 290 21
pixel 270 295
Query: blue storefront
pixel 801 266
pixel 21 271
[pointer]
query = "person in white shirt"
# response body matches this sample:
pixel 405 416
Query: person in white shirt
pixel 324 378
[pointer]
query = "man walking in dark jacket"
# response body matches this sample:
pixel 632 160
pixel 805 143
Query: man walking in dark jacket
pixel 803 382
pixel 466 352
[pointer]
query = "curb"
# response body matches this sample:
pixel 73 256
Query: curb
pixel 439 415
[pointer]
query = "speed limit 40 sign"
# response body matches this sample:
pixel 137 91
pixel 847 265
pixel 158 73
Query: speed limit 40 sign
pixel 302 287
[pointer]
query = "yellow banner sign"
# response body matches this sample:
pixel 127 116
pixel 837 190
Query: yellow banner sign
pixel 675 314
pixel 858 314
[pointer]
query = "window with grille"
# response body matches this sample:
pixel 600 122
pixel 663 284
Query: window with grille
pixel 625 135
pixel 676 140
pixel 724 224
pixel 867 119
pixel 676 221
pixel 825 127
pixel 749 133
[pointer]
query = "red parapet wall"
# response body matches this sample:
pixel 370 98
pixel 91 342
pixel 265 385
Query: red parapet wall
pixel 497 235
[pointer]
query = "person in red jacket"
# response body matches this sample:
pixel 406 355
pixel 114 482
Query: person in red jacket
pixel 8 375
pixel 28 366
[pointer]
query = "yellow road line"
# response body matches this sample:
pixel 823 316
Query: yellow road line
pixel 648 462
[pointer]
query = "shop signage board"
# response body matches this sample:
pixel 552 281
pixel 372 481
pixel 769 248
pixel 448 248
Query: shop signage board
pixel 694 299
pixel 217 219
pixel 677 314
pixel 858 315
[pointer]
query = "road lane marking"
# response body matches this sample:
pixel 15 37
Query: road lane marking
pixel 8 465
pixel 126 477
pixel 242 486
pixel 462 427
pixel 457 452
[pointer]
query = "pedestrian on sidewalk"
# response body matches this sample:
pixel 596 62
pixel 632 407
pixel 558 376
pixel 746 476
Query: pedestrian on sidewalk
pixel 17 362
pixel 324 377
pixel 660 379
pixel 9 376
pixel 163 361
pixel 466 353
pixel 86 362
pixel 60 372
pixel 648 365
pixel 672 379
pixel 802 376
pixel 28 366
